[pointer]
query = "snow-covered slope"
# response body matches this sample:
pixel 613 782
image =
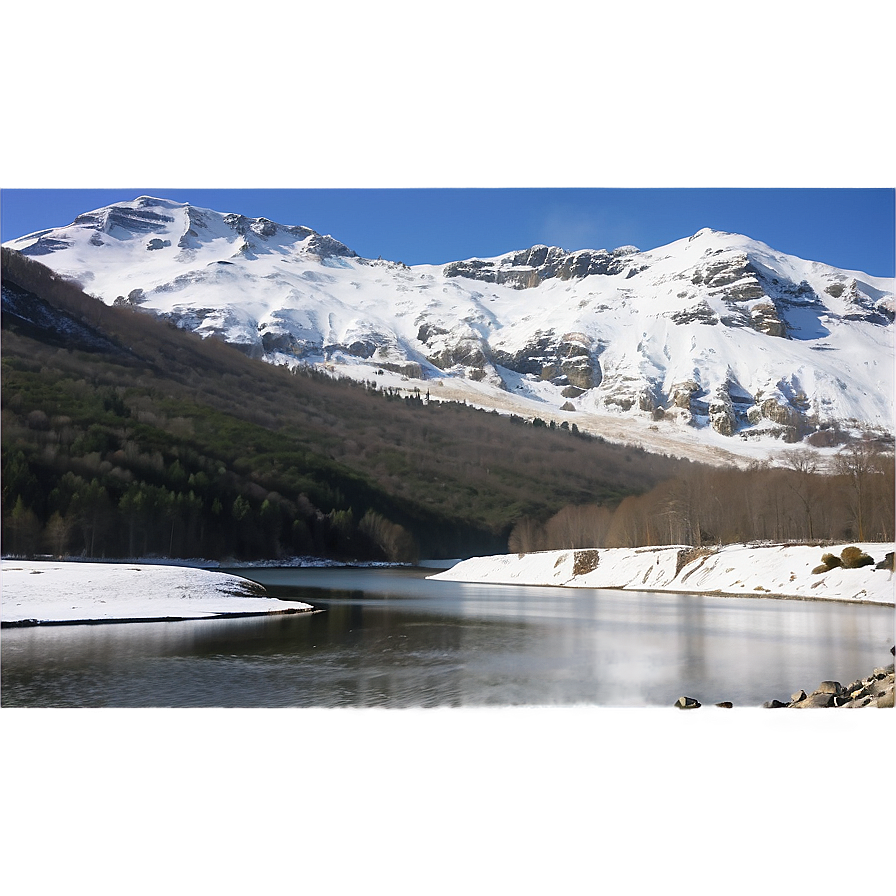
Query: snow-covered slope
pixel 758 570
pixel 715 335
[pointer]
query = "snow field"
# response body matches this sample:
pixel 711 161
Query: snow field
pixel 108 592
pixel 777 570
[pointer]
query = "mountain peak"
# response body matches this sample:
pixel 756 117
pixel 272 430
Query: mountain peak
pixel 716 333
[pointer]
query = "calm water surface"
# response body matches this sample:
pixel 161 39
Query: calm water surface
pixel 391 638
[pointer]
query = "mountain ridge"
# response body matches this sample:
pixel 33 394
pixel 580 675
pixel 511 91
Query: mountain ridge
pixel 715 334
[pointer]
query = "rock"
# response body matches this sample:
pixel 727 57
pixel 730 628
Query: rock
pixel 764 318
pixel 777 412
pixel 886 563
pixel 885 701
pixel 831 561
pixel 798 696
pixel 829 687
pixel 754 415
pixel 687 703
pixel 814 701
pixel 773 704
pixel 725 704
pixel 855 558
pixel 680 393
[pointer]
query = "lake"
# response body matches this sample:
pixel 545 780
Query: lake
pixel 392 638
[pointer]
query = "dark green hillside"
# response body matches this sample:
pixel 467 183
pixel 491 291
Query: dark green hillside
pixel 122 435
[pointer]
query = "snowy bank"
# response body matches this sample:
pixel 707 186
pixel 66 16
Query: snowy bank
pixel 57 592
pixel 769 570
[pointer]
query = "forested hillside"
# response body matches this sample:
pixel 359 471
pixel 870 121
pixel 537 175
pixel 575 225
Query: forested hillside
pixel 124 436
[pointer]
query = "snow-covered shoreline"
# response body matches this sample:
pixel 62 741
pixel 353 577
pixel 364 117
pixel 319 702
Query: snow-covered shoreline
pixel 56 592
pixel 739 570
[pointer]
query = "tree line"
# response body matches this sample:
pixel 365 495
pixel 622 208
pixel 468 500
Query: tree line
pixel 798 502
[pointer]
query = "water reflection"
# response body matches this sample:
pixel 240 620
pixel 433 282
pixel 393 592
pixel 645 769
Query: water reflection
pixel 390 638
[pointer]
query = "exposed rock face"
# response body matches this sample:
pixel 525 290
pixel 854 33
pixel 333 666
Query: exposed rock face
pixel 284 342
pixel 764 318
pixel 755 298
pixel 721 411
pixel 461 346
pixel 680 393
pixel 774 410
pixel 529 267
pixel 144 219
pixel 567 360
pixel 699 313
pixel 647 402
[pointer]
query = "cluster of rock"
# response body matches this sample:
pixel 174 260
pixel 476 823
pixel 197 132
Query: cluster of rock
pixel 851 558
pixel 876 690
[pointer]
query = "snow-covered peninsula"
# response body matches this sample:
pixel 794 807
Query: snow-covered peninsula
pixel 36 592
pixel 767 570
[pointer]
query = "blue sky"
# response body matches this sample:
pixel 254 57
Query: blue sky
pixel 377 98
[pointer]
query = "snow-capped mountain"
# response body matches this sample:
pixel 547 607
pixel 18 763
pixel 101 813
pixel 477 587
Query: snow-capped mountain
pixel 716 333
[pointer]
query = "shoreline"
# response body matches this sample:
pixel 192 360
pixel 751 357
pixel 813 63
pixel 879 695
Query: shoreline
pixel 776 571
pixel 38 593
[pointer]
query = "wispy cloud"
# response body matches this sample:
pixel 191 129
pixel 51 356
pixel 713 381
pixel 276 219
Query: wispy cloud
pixel 573 227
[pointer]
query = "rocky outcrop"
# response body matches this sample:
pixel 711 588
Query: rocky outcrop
pixel 258 231
pixel 699 313
pixel 530 267
pixel 721 411
pixel 746 290
pixel 681 393
pixel 764 318
pixel 567 360
pixel 461 346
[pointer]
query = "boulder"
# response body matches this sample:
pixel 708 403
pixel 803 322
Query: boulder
pixel 687 703
pixel 830 687
pixel 798 697
pixel 773 704
pixel 855 558
pixel 725 704
pixel 815 700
